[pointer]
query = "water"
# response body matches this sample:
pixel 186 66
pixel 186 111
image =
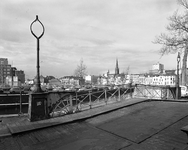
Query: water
pixel 14 109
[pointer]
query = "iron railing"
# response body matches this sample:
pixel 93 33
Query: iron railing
pixel 154 92
pixel 81 101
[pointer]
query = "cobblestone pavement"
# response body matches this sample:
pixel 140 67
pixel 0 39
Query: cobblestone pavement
pixel 144 126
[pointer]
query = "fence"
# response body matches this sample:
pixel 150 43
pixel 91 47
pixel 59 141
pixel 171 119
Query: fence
pixel 154 92
pixel 80 101
pixel 13 103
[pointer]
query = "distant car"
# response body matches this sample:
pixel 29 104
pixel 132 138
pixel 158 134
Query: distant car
pixel 49 88
pixel 15 90
pixel 6 89
pixel 184 91
pixel 27 88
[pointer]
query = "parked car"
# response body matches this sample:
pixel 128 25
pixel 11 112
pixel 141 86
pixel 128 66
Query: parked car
pixel 184 91
pixel 15 90
pixel 6 89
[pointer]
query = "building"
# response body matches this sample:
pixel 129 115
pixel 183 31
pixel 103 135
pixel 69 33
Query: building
pixel 170 72
pixel 116 73
pixel 164 80
pixel 91 79
pixel 135 78
pixel 113 79
pixel 21 75
pixel 12 81
pixel 72 81
pixel 117 68
pixel 157 68
pixel 10 75
pixel 16 78
pixel 161 80
pixel 5 70
pixel 55 83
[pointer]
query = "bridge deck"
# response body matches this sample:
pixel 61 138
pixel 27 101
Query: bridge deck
pixel 22 124
pixel 144 126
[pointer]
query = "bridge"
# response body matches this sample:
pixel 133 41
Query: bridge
pixel 62 103
pixel 119 119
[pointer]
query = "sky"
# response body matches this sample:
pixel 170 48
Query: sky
pixel 96 31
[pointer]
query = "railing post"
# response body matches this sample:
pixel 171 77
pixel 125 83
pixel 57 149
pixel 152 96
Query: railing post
pixel 129 89
pixel 105 94
pixel 71 106
pixel 119 94
pixel 90 99
pixel 76 101
pixel 20 102
pixel 71 100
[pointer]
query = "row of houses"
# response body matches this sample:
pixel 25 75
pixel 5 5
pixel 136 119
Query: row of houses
pixel 120 79
pixel 154 79
pixel 139 79
pixel 157 76
pixel 147 79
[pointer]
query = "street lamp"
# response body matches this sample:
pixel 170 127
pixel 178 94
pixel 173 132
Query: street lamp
pixel 177 86
pixel 37 82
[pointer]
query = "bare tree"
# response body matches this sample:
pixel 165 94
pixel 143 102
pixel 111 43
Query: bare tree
pixel 177 37
pixel 81 69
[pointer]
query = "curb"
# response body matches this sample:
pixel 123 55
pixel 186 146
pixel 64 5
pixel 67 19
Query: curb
pixel 5 135
pixel 13 115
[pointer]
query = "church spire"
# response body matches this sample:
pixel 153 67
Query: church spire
pixel 117 68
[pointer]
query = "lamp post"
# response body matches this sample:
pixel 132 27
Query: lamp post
pixel 177 86
pixel 37 82
pixel 38 105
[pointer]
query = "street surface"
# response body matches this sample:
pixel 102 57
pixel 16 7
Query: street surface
pixel 151 125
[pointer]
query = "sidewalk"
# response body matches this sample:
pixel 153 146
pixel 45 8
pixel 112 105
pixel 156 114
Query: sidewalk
pixel 19 124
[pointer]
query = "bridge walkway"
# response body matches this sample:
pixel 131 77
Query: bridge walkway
pixel 20 124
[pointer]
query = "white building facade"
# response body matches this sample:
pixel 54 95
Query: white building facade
pixel 158 80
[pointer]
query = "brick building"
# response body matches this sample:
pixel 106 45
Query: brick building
pixel 5 70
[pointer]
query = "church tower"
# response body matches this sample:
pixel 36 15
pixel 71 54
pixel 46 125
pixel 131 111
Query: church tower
pixel 117 68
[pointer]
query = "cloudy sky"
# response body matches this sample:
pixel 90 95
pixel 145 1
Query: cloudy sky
pixel 97 31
